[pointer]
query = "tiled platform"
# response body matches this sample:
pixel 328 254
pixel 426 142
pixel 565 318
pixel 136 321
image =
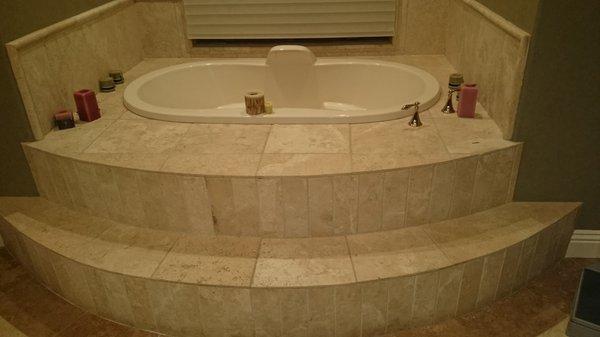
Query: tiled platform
pixel 279 180
pixel 389 281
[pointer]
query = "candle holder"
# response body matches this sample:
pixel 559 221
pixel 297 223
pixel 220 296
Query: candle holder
pixel 117 76
pixel 107 84
pixel 64 120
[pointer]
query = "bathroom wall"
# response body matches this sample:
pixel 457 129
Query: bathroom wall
pixel 520 12
pixel 558 115
pixel 490 51
pixel 20 18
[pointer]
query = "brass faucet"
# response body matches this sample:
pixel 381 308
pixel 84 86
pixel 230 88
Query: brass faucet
pixel 415 121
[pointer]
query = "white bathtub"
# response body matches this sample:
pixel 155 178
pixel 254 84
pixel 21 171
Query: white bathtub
pixel 303 91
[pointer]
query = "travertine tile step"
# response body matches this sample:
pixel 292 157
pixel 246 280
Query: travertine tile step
pixel 279 262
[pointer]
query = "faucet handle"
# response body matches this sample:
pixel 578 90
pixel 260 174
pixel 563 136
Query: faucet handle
pixel 415 121
pixel 408 106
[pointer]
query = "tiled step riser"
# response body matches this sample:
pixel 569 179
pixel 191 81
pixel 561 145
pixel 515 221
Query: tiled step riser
pixel 370 308
pixel 280 207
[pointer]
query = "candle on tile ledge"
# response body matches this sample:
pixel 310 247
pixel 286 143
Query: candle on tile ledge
pixel 468 101
pixel 87 105
pixel 107 84
pixel 117 76
pixel 64 120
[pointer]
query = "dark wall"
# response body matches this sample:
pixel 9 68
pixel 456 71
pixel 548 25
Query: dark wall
pixel 20 18
pixel 559 111
pixel 520 12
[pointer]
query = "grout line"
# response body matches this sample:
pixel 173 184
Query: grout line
pixel 258 250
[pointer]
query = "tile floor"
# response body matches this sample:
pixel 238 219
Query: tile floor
pixel 540 308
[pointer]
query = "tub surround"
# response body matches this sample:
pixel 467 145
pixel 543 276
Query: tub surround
pixel 280 180
pixel 126 31
pixel 372 283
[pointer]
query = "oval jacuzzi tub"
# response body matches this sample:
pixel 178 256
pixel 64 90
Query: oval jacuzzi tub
pixel 303 90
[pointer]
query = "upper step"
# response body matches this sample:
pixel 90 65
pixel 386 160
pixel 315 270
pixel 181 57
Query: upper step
pixel 281 262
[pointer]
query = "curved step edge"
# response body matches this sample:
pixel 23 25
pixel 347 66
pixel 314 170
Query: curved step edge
pixel 382 305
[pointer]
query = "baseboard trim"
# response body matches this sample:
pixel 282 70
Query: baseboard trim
pixel 585 243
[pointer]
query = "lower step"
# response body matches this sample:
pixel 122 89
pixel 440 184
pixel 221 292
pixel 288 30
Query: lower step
pixel 363 284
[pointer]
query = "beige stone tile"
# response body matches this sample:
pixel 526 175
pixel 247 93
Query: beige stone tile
pixel 394 254
pixel 370 202
pixel 345 204
pixel 470 135
pixel 139 136
pixel 295 206
pixel 163 33
pixel 401 292
pixel 395 191
pixel 396 137
pixel 140 161
pixel 213 164
pixel 448 291
pixel 63 241
pixel 374 308
pixel 469 288
pixel 224 139
pixel 286 164
pixel 98 291
pixel 515 173
pixel 72 280
pixel 492 179
pixel 348 306
pixel 490 278
pixel 235 205
pixel 320 206
pixel 419 195
pixel 128 250
pixel 303 262
pixel 74 140
pixel 294 312
pixel 426 290
pixel 271 212
pixel 425 26
pixel 321 310
pixel 442 187
pixel 509 270
pixel 525 259
pixel 367 162
pixel 477 235
pixel 139 301
pixel 175 307
pixel 174 202
pixel 309 139
pixel 266 311
pixel 117 297
pixel 210 260
pixel 464 181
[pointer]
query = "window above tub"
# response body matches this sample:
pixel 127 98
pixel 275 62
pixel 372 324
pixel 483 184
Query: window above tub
pixel 289 19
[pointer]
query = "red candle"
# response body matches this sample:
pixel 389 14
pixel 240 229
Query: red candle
pixel 468 101
pixel 87 105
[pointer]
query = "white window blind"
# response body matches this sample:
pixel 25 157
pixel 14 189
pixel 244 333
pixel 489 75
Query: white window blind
pixel 272 19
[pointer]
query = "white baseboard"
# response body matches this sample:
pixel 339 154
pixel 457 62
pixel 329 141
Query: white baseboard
pixel 585 243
